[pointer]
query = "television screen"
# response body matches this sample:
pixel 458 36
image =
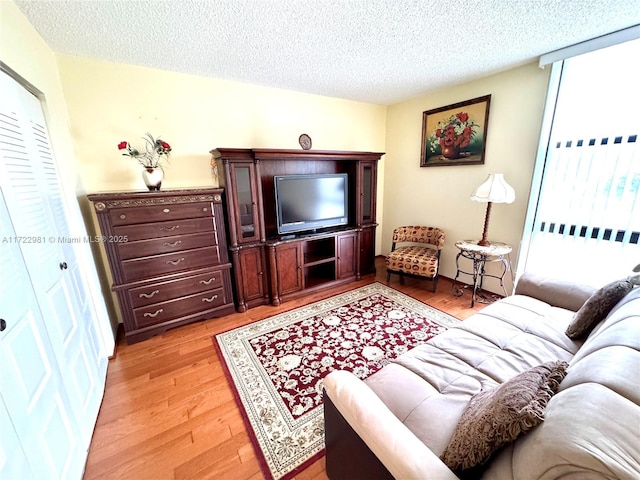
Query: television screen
pixel 310 202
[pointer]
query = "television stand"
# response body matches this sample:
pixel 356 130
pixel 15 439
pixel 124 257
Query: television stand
pixel 301 265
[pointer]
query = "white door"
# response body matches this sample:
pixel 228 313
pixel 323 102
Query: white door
pixel 30 380
pixel 66 326
pixel 13 460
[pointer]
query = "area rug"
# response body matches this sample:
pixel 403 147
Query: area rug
pixel 277 365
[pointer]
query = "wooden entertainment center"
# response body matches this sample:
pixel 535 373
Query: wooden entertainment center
pixel 269 268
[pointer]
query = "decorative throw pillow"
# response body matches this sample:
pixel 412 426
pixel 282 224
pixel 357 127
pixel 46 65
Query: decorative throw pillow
pixel 494 418
pixel 597 307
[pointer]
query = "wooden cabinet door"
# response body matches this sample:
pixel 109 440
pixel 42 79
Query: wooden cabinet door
pixel 346 255
pixel 367 250
pixel 253 273
pixel 289 268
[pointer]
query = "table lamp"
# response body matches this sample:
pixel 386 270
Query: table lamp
pixel 493 190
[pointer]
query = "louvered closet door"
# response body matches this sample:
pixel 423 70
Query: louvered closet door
pixel 74 332
pixel 34 200
pixel 39 423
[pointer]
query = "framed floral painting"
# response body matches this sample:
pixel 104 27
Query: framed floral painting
pixel 455 134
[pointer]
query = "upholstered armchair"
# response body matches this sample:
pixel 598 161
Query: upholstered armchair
pixel 419 254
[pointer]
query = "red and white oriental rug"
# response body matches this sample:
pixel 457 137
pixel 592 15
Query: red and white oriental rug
pixel 277 365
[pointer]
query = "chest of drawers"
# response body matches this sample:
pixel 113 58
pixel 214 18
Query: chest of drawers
pixel 167 256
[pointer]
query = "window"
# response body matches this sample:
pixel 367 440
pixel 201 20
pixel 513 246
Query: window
pixel 584 215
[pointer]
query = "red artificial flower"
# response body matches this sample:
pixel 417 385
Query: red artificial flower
pixel 463 117
pixel 122 145
pixel 166 145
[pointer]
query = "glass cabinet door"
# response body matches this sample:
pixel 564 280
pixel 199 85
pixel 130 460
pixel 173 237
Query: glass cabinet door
pixel 367 195
pixel 246 212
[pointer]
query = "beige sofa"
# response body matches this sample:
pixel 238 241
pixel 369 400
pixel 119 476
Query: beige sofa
pixel 398 422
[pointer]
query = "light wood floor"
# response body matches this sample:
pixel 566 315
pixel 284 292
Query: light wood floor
pixel 169 412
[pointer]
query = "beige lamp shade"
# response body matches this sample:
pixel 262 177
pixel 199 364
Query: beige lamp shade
pixel 494 190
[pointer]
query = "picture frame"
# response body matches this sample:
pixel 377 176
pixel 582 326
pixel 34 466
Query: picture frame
pixel 455 134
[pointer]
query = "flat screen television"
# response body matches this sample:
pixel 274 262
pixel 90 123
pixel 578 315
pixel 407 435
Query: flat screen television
pixel 311 202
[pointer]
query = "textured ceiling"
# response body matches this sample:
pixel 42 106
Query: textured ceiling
pixel 377 51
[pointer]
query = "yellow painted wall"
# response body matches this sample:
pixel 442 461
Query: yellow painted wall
pixel 109 102
pixel 24 52
pixel 440 196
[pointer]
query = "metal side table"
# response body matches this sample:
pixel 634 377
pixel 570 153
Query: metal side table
pixel 480 256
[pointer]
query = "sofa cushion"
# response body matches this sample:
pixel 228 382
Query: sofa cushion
pixel 496 417
pixel 597 307
pixel 561 293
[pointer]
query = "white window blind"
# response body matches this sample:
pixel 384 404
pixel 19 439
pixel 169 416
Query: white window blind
pixel 586 224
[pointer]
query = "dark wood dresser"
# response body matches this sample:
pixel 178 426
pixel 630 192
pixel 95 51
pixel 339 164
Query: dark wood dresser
pixel 168 257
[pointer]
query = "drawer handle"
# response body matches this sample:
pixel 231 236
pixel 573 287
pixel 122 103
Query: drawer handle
pixel 208 282
pixel 123 216
pixel 154 314
pixel 170 229
pixel 166 210
pixel 172 244
pixel 210 299
pixel 148 295
pixel 175 262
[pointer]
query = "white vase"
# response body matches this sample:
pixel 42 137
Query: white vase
pixel 153 177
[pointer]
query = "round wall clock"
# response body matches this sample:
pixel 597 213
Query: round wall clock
pixel 305 141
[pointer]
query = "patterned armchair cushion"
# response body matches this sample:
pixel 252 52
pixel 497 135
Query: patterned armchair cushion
pixel 416 260
pixel 419 234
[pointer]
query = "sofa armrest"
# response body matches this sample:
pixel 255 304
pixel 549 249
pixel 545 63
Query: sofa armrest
pixel 559 293
pixel 400 451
